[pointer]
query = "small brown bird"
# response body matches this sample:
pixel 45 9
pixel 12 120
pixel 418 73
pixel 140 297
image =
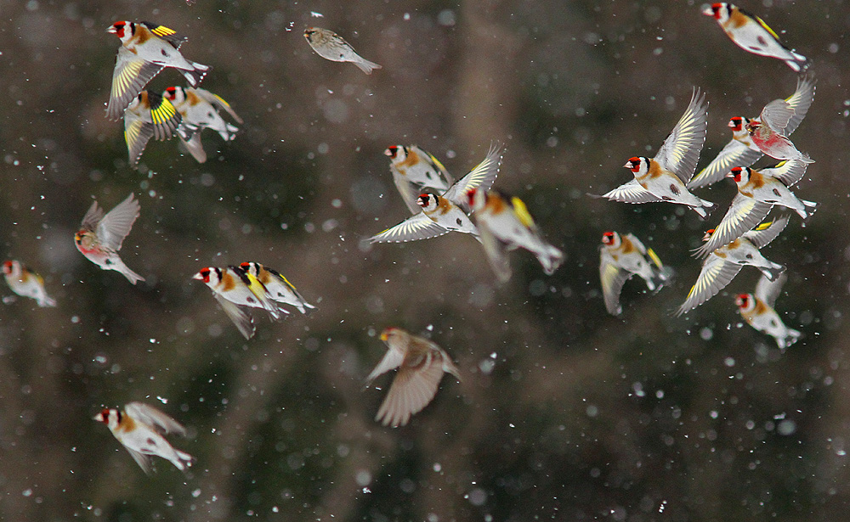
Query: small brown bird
pixel 421 364
pixel 333 47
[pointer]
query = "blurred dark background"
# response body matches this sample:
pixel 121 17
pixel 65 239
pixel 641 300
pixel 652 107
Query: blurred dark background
pixel 564 412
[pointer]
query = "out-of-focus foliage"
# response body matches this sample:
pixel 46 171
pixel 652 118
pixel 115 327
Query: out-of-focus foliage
pixel 564 412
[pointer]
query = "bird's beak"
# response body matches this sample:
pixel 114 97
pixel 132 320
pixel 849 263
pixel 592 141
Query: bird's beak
pixel 729 174
pixel 198 276
pixel 111 30
pixel 628 165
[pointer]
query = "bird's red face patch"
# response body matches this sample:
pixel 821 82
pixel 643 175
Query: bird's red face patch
pixel 203 275
pixel 608 238
pixel 715 10
pixel 118 29
pixel 170 93
pixel 736 123
pixel 633 164
pixel 742 300
pixel 708 234
pixel 735 174
pixel 7 267
pixel 392 151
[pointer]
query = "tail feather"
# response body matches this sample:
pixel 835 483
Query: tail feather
pixel 792 337
pixel 183 460
pixel 366 66
pixel 773 272
pixel 47 302
pixel 809 208
pixel 129 274
pixel 196 148
pixel 196 75
pixel 551 258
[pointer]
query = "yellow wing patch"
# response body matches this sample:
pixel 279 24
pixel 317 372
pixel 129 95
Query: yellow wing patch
pixel 219 98
pixel 766 27
pixel 764 226
pixel 163 113
pixel 131 134
pixel 163 31
pixel 655 259
pixel 521 212
pixel 125 78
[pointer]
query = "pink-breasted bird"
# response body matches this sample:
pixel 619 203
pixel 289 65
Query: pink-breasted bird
pixel 100 236
pixel 741 151
pixel 421 365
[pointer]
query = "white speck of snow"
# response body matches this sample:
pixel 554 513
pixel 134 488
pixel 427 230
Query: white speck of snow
pixel 315 14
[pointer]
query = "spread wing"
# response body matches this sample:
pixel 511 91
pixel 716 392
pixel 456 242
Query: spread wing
pixel 137 133
pixel 637 243
pixel 155 418
pixel 413 228
pixel 762 235
pixel 218 102
pixel 115 226
pixel 92 217
pixel 800 102
pixel 164 116
pixel 716 273
pixel 680 151
pixel 776 115
pixel 481 177
pixel 631 192
pixel 788 172
pixel 243 321
pixel 141 459
pixel 412 389
pixel 130 76
pixel 734 154
pixel 407 190
pixel 391 360
pixel 496 252
pixel 743 215
pixel 768 290
pixel 612 278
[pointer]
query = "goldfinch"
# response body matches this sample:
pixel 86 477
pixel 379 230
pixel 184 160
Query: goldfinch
pixel 148 116
pixel 750 33
pixel 757 310
pixel 421 365
pixel 145 50
pixel 620 258
pixel 664 177
pixel 505 224
pixel 233 287
pixel 449 212
pixel 199 109
pixel 416 171
pixel 724 263
pixel 758 192
pixel 26 283
pixel 331 46
pixel 100 237
pixel 741 151
pixel 140 429
pixel 278 288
